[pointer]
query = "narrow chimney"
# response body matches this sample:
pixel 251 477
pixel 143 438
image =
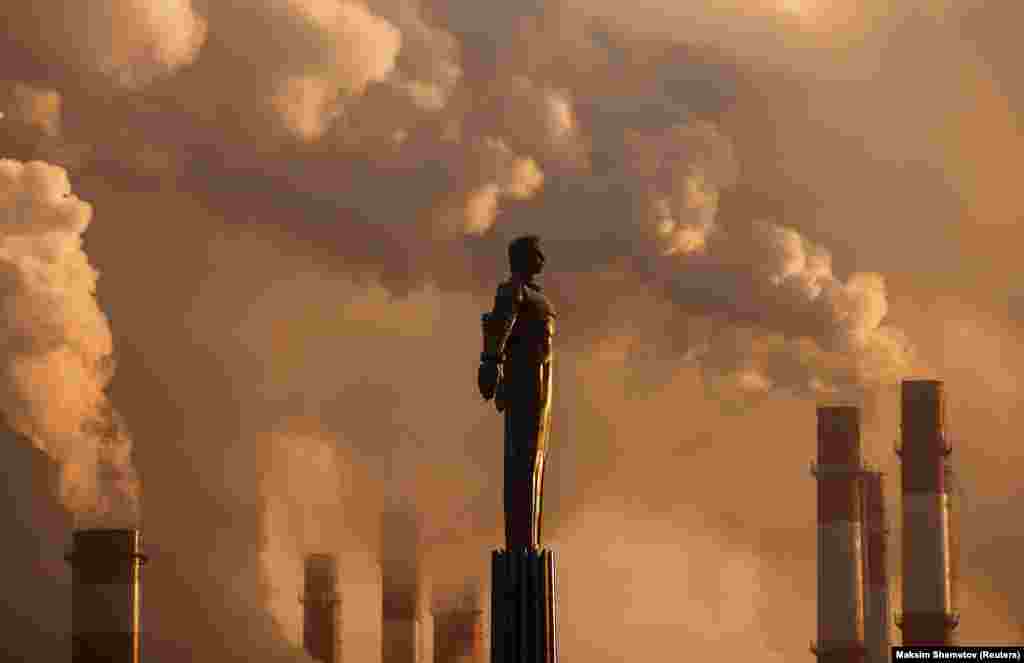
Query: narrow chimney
pixel 320 628
pixel 460 633
pixel 953 507
pixel 927 598
pixel 407 632
pixel 865 566
pixel 877 609
pixel 106 565
pixel 840 557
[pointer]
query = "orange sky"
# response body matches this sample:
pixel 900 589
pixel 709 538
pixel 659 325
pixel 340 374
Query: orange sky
pixel 301 208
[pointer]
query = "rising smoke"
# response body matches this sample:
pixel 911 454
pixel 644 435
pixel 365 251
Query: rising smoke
pixel 37 108
pixel 57 346
pixel 130 43
pixel 319 194
pixel 294 528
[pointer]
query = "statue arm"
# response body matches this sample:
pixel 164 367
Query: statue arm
pixel 499 322
pixel 497 327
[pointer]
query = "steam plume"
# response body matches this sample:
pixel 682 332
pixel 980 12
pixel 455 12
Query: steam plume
pixel 710 203
pixel 304 487
pixel 56 344
pixel 355 47
pixel 36 107
pixel 759 305
pixel 503 174
pixel 135 42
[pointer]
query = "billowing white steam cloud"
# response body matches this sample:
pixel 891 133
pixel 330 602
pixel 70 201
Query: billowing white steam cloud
pixel 333 50
pixel 306 105
pixel 37 108
pixel 137 41
pixel 682 173
pixel 538 120
pixel 56 346
pixel 302 486
pixel 500 173
pixel 840 343
pixel 358 47
pixel 776 314
pixel 428 66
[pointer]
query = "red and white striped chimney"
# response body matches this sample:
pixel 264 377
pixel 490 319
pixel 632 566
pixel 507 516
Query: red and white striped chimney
pixel 927 597
pixel 877 609
pixel 840 558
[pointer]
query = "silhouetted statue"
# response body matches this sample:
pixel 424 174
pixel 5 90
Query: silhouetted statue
pixel 515 370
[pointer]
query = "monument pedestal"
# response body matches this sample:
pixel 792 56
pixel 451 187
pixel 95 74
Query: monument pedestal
pixel 523 602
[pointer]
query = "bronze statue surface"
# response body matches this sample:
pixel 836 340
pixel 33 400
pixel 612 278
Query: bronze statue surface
pixel 516 371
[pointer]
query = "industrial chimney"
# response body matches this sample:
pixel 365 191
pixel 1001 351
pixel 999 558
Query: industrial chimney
pixel 320 628
pixel 927 598
pixel 953 510
pixel 877 609
pixel 840 557
pixel 407 632
pixel 106 565
pixel 460 632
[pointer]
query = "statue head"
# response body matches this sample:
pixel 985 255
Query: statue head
pixel 525 257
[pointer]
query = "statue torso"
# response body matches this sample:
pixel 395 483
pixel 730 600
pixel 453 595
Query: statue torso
pixel 530 339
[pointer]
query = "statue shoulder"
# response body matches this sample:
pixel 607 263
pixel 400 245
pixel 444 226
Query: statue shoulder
pixel 511 289
pixel 543 304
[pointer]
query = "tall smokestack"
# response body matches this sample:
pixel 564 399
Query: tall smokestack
pixel 460 635
pixel 927 598
pixel 840 558
pixel 320 629
pixel 106 566
pixel 953 507
pixel 877 609
pixel 407 632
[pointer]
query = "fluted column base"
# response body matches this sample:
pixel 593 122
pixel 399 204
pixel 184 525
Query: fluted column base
pixel 523 607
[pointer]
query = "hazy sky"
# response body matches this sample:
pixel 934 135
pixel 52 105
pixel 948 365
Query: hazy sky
pixel 279 222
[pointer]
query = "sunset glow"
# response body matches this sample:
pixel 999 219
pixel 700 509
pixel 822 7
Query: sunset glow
pixel 257 306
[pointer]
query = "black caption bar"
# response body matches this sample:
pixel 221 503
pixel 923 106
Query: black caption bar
pixel 958 653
